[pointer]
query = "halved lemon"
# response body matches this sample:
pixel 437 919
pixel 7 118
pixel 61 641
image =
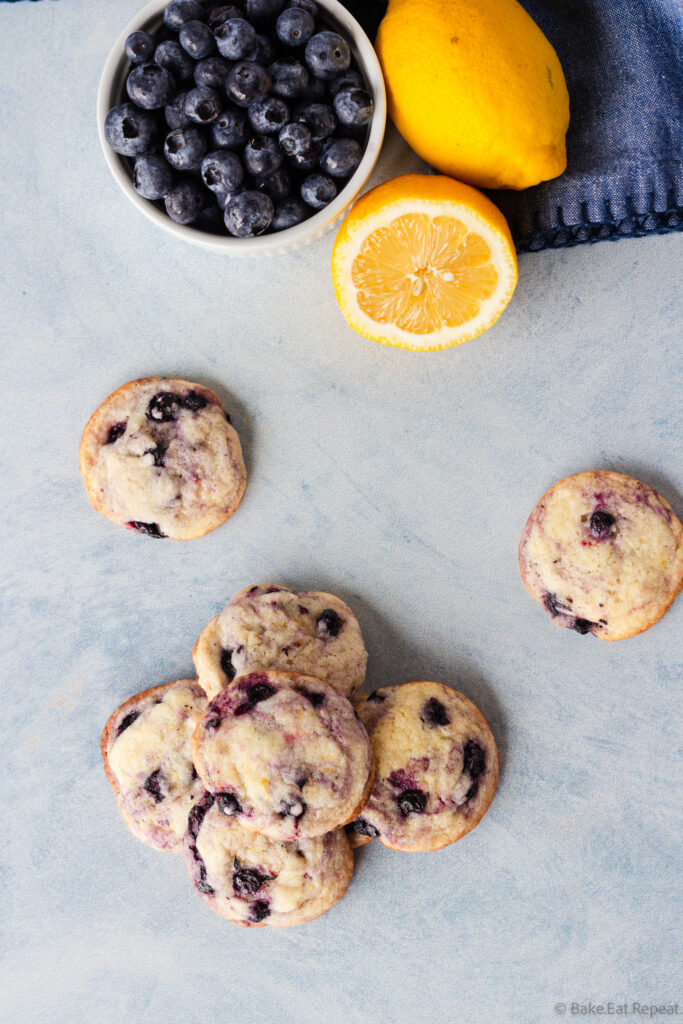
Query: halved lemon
pixel 423 262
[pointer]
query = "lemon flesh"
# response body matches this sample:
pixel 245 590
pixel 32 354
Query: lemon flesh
pixel 476 89
pixel 423 262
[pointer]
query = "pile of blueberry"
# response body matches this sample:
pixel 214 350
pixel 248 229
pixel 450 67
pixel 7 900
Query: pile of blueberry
pixel 242 118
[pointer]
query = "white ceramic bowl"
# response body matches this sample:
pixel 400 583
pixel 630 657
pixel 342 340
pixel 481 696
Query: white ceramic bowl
pixel 112 92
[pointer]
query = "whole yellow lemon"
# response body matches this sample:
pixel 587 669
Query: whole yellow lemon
pixel 476 89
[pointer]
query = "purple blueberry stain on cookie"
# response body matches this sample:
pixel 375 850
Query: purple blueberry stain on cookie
pixel 292 808
pixel 259 911
pixel 256 693
pixel 316 699
pixel 164 407
pixel 116 431
pixel 328 625
pixel 153 786
pixel 128 720
pixel 434 713
pixel 148 529
pixel 601 524
pixel 411 801
pixel 228 804
pixel 227 665
pixel 363 828
pixel 473 763
pixel 194 823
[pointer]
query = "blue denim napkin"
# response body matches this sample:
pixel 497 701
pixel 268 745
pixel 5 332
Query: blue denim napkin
pixel 623 61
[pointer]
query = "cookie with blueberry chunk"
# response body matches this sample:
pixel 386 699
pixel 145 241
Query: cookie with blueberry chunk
pixel 603 553
pixel 161 457
pixel 436 767
pixel 254 881
pixel 269 626
pixel 148 760
pixel 285 753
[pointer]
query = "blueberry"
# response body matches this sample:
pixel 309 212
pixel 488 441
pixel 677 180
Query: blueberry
pixel 434 713
pixel 197 39
pixel 307 160
pixel 316 699
pixel 363 828
pixel 227 665
pixel 263 10
pixel 140 47
pixel 353 107
pixel 212 72
pixel 255 694
pixel 180 11
pixel 202 105
pixel 247 881
pixel 128 720
pixel 554 606
pixel 269 115
pixel 327 54
pixel 328 625
pixel 306 5
pixel 411 801
pixel 349 80
pixel 314 91
pixel 185 201
pixel 170 55
pixel 263 52
pixel 247 83
pixel 152 177
pixel 601 523
pixel 277 185
pixel 210 218
pixel 582 626
pixel 294 27
pixel 185 148
pixel 150 86
pixel 230 130
pixel 378 697
pixel 340 157
pixel 262 155
pixel 220 14
pixel 295 139
pixel 164 407
pixel 474 759
pixel 222 171
pixel 319 119
pixel 235 38
pixel 129 130
pixel 317 191
pixel 174 112
pixel 149 529
pixel 194 401
pixel 288 77
pixel 115 432
pixel 228 804
pixel 157 454
pixel 153 785
pixel 259 911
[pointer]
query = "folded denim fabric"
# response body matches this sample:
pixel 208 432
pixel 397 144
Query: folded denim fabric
pixel 623 61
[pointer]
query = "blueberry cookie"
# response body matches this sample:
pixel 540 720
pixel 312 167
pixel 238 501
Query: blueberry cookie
pixel 161 457
pixel 272 627
pixel 603 553
pixel 437 766
pixel 255 881
pixel 286 753
pixel 146 746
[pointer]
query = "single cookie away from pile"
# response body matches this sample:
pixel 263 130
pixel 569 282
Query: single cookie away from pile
pixel 271 627
pixel 161 457
pixel 254 881
pixel 286 753
pixel 436 767
pixel 603 553
pixel 146 747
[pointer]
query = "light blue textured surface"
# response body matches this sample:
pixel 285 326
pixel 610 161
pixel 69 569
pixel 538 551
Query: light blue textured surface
pixel 400 482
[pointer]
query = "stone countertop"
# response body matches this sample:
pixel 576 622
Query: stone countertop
pixel 399 481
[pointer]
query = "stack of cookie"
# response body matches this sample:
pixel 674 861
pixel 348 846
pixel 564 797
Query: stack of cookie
pixel 266 770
